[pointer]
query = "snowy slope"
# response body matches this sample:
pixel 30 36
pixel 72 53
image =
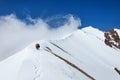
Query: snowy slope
pixel 82 55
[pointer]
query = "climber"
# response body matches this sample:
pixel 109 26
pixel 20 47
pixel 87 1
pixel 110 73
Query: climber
pixel 37 46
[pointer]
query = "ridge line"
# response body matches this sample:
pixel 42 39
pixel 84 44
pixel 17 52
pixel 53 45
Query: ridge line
pixel 69 63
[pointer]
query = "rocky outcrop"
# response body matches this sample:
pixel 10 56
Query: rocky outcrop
pixel 112 38
pixel 117 70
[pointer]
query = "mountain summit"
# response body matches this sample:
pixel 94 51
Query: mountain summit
pixel 82 55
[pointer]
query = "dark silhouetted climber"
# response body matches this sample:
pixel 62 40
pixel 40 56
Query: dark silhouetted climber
pixel 37 46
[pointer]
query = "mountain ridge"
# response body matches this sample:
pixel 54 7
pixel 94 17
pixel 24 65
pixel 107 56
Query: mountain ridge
pixel 82 50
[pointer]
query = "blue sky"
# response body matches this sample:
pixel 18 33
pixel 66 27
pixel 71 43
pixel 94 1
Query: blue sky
pixel 103 14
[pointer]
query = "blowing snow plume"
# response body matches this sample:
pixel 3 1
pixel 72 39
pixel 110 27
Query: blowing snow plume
pixel 15 34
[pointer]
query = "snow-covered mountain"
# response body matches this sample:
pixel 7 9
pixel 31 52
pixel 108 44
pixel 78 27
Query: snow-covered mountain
pixel 82 55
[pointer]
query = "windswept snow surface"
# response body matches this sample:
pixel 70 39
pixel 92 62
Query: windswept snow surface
pixel 65 59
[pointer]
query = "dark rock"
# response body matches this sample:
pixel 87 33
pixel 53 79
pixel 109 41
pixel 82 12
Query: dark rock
pixel 112 38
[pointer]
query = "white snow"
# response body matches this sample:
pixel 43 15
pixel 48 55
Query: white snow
pixel 84 48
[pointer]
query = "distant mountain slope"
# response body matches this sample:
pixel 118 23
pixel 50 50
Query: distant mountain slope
pixel 82 55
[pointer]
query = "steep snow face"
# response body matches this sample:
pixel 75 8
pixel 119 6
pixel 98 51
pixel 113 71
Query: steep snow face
pixel 118 31
pixel 82 55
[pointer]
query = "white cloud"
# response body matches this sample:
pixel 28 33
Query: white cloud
pixel 15 34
